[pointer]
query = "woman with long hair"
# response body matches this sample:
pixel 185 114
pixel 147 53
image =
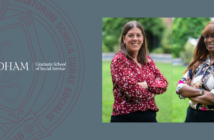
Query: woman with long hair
pixel 136 79
pixel 198 82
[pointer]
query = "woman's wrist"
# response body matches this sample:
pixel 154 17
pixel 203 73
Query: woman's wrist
pixel 201 91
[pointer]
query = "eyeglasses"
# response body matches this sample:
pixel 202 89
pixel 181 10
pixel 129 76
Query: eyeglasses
pixel 207 36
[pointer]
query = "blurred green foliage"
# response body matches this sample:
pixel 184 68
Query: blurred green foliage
pixel 154 28
pixel 159 50
pixel 183 29
pixel 166 41
pixel 187 53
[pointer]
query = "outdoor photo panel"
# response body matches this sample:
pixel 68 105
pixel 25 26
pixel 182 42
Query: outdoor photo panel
pixel 158 33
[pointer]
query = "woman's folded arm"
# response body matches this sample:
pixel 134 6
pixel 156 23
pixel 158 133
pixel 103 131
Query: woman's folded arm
pixel 123 76
pixel 183 87
pixel 207 98
pixel 187 91
pixel 159 85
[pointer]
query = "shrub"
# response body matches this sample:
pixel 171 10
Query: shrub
pixel 187 54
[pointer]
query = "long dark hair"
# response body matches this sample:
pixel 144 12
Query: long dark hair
pixel 141 57
pixel 200 52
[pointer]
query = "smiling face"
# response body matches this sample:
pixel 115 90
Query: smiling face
pixel 133 40
pixel 209 42
pixel 208 34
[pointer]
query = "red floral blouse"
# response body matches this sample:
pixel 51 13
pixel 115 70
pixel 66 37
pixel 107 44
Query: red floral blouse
pixel 128 95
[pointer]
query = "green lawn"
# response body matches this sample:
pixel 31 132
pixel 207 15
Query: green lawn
pixel 179 106
pixel 164 101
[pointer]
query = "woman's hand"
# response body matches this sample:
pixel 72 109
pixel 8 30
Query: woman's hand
pixel 143 84
pixel 207 98
pixel 188 82
pixel 153 95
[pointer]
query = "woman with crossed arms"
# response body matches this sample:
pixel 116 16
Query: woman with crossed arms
pixel 198 82
pixel 136 79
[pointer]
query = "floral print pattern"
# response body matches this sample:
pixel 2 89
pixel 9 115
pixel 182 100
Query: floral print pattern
pixel 128 95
